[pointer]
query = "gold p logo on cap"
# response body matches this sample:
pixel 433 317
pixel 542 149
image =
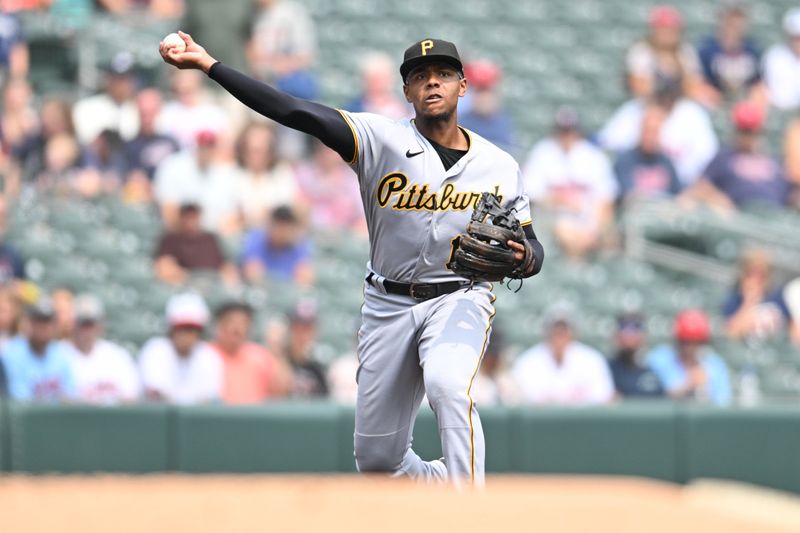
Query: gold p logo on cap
pixel 425 46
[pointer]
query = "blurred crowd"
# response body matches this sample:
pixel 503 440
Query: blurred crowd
pixel 225 179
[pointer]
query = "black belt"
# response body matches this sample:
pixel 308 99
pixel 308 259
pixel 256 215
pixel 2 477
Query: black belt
pixel 419 291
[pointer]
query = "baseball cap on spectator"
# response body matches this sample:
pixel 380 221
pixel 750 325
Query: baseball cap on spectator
pixel 88 309
pixel 566 119
pixel 791 22
pixel 747 116
pixel 206 138
pixel 665 16
pixel 630 323
pixel 189 207
pixel 187 310
pixel 692 325
pixel 482 75
pixel 122 64
pixel 42 309
pixel 284 213
pixel 304 312
pixel 560 314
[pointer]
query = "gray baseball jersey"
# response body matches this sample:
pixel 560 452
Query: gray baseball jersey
pixel 407 348
pixel 414 207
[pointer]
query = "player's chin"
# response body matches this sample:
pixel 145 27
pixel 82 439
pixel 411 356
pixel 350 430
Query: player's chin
pixel 442 115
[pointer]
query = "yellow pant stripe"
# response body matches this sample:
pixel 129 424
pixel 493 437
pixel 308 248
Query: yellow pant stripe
pixel 469 388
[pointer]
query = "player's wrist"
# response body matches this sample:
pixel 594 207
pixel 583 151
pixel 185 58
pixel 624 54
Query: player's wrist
pixel 206 63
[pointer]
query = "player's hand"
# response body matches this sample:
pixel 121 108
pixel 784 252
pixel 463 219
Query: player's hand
pixel 519 251
pixel 194 57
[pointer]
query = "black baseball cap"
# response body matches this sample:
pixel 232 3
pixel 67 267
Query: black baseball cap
pixel 429 50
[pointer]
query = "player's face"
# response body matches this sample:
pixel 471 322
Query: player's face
pixel 434 90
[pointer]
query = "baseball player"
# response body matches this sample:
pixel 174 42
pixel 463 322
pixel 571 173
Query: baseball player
pixel 424 328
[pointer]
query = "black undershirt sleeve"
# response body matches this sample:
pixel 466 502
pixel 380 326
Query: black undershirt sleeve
pixel 323 122
pixel 538 249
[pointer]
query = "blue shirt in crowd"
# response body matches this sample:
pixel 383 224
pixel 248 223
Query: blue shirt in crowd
pixel 280 263
pixel 730 71
pixel 10 36
pixel 775 298
pixel 670 370
pixel 635 380
pixel 45 377
pixel 749 178
pixel 646 176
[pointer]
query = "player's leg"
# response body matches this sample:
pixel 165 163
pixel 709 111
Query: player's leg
pixel 452 341
pixel 390 389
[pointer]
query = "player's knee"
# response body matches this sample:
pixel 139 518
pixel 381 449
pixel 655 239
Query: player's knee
pixel 371 456
pixel 443 389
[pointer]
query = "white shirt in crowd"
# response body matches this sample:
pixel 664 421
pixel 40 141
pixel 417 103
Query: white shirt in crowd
pixel 687 136
pixel 100 112
pixel 182 380
pixel 259 194
pixel 178 180
pixel 782 76
pixel 184 122
pixel 584 171
pixel 106 375
pixel 582 378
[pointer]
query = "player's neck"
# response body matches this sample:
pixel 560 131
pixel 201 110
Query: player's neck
pixel 443 132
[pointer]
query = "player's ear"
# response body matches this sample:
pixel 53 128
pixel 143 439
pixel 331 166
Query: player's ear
pixel 462 86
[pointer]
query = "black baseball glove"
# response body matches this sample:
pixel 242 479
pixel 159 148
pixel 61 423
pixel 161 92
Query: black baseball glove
pixel 481 253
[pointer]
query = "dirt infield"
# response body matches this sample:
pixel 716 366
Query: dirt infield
pixel 354 504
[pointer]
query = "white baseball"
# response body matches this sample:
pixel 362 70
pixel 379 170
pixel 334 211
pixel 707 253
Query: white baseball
pixel 173 40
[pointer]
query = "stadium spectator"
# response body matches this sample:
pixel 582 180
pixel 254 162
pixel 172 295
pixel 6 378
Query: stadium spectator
pixel 113 109
pixel 10 315
pixel 11 265
pixel 55 119
pixel 631 377
pixel 157 9
pixel 192 111
pixel 145 152
pixel 689 368
pixel 341 378
pixel 664 55
pixel 282 251
pixel 330 193
pixel 37 366
pixel 221 26
pixel 493 384
pixel 189 249
pixel 195 176
pixel 687 135
pixel 562 370
pixel 282 47
pixel 181 368
pixel 103 166
pixel 791 150
pixel 755 306
pixel 251 374
pixel 743 174
pixel 782 65
pixel 14 54
pixel 308 375
pixel 791 295
pixel 645 172
pixel 264 181
pixel 485 115
pixel 378 82
pixel 63 301
pixel 19 120
pixel 573 179
pixel 731 60
pixel 103 371
pixel 3 380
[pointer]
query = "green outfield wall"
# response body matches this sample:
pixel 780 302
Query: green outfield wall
pixel 663 441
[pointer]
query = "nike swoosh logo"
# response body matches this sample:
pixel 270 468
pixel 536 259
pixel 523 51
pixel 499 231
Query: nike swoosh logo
pixel 410 154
